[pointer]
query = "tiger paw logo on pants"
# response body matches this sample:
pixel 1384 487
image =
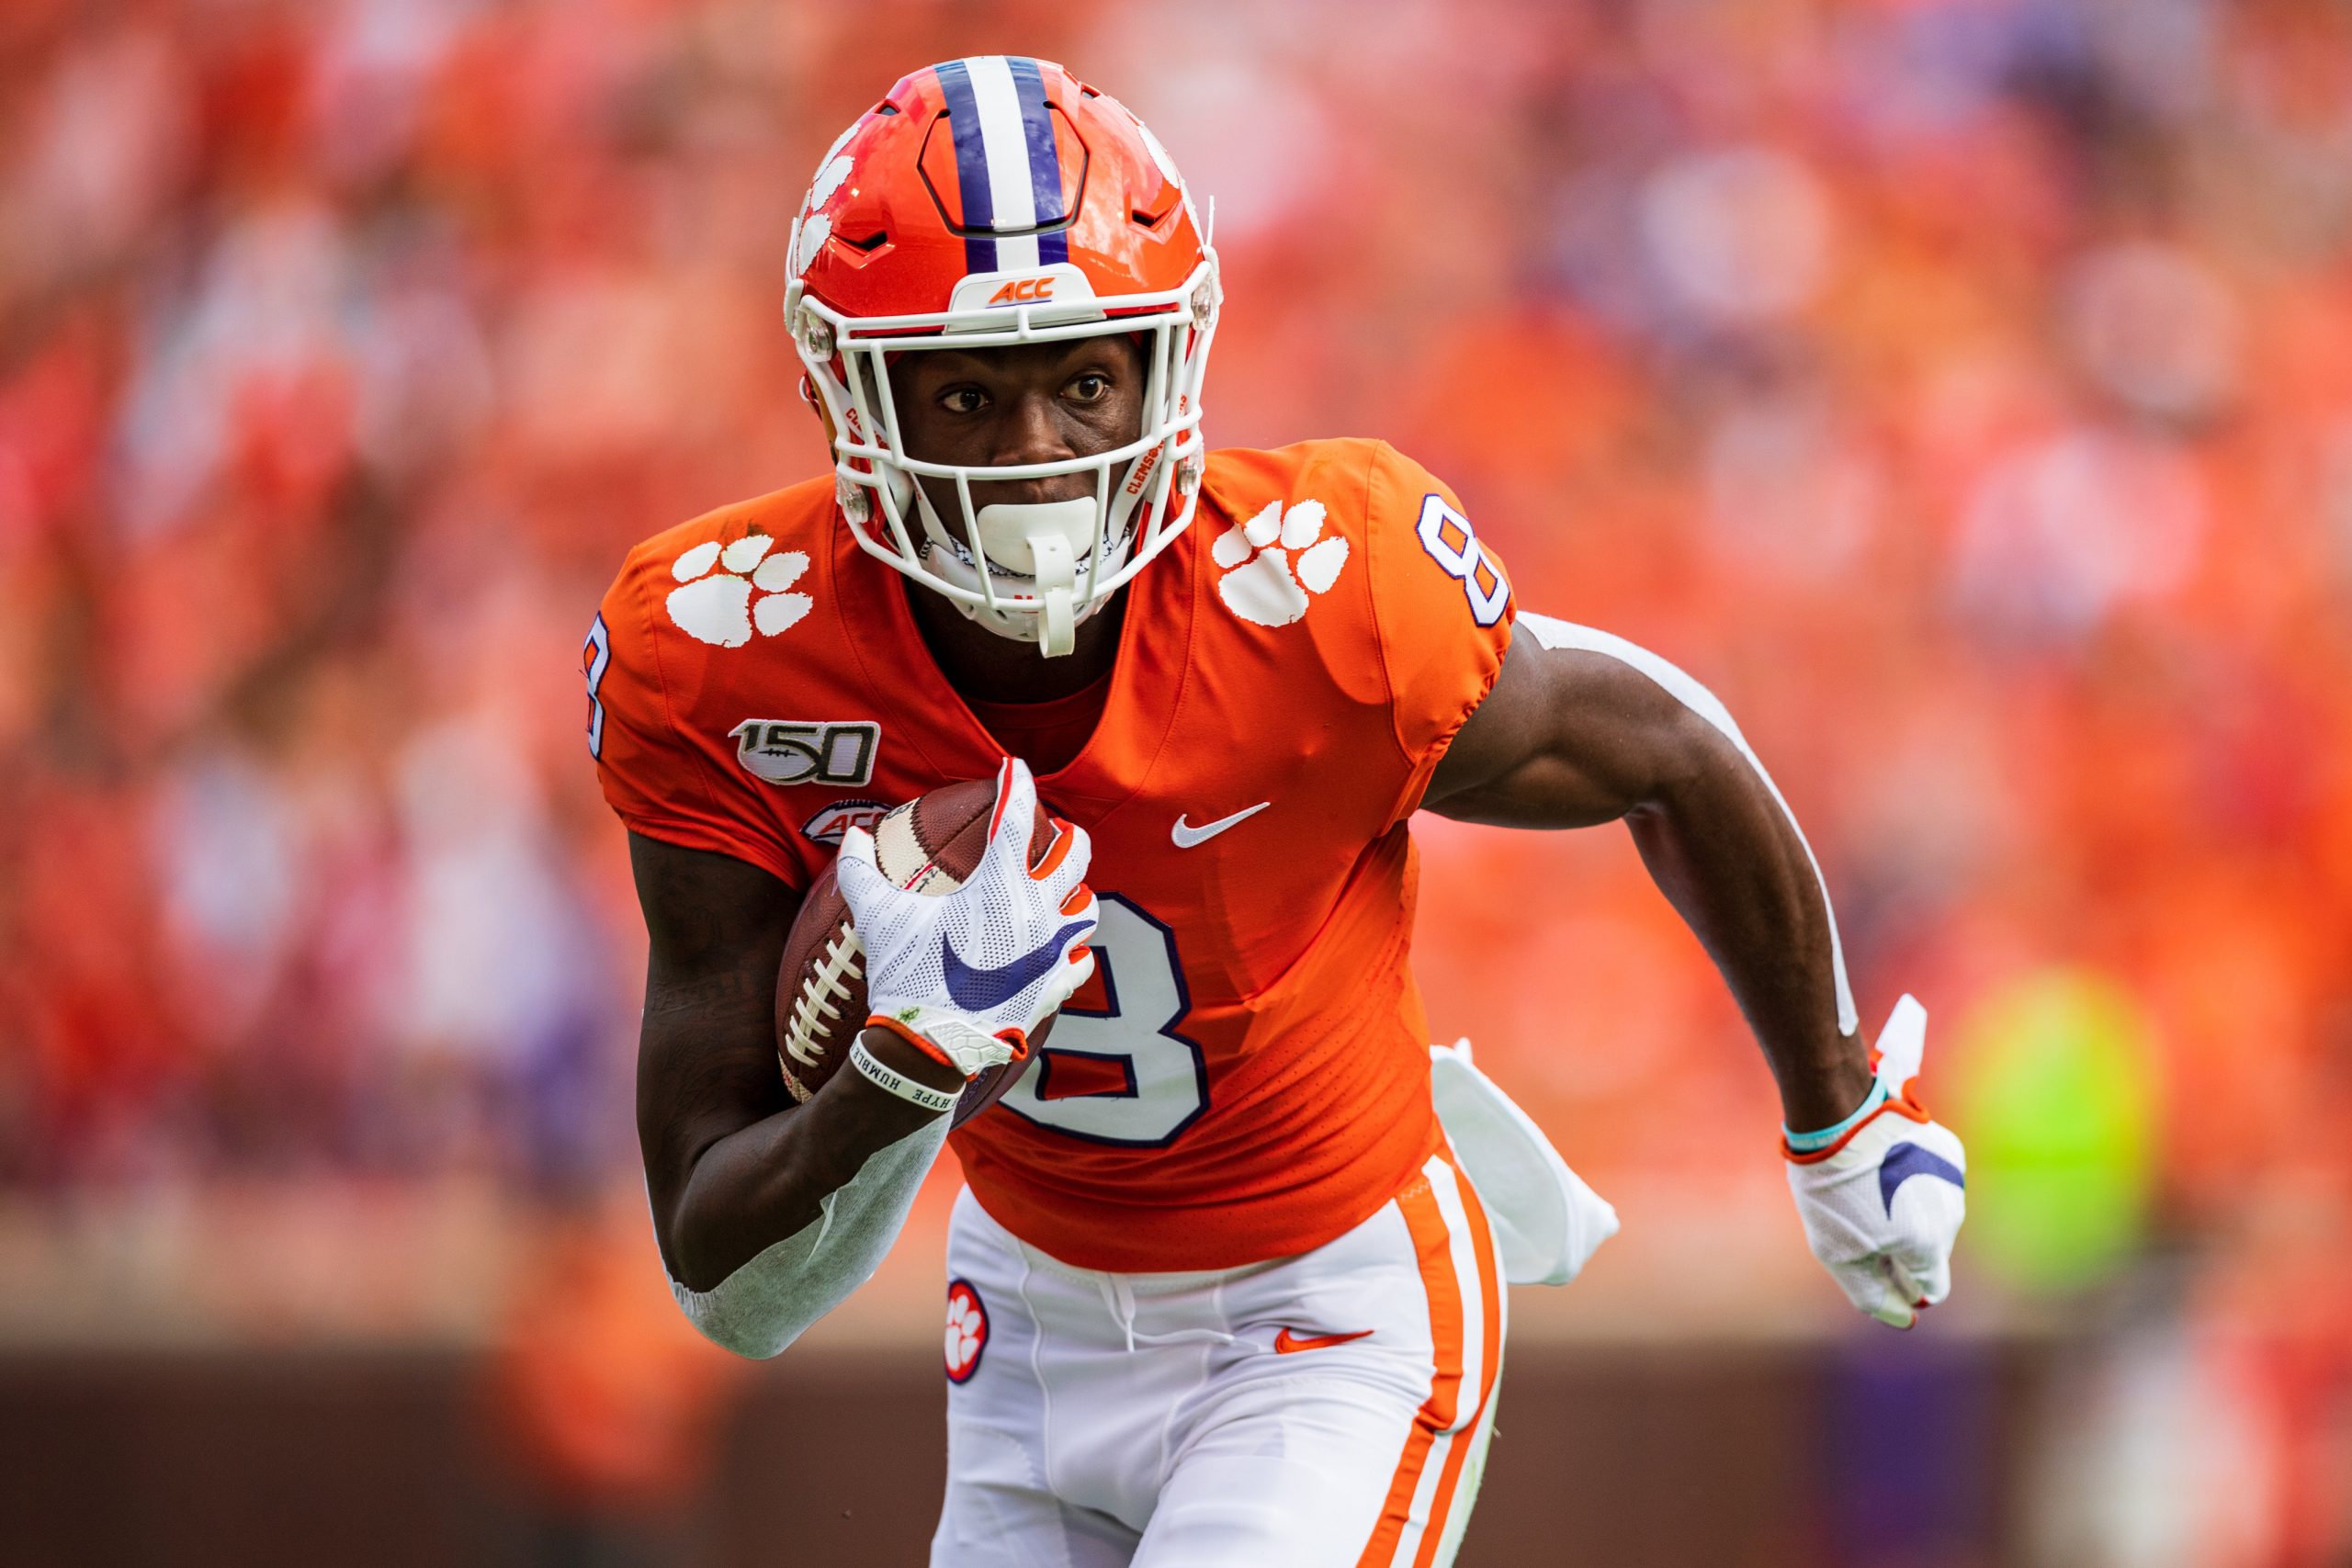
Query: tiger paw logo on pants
pixel 747 593
pixel 968 1330
pixel 1263 583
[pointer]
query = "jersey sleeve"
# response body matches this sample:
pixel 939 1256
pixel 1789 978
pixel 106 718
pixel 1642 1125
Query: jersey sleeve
pixel 655 778
pixel 1442 609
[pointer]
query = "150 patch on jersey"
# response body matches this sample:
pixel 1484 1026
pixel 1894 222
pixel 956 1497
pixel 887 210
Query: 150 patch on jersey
pixel 798 751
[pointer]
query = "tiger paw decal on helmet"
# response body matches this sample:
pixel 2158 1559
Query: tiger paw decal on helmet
pixel 747 593
pixel 1263 583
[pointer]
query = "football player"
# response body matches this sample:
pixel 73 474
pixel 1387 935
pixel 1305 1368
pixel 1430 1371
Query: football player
pixel 1220 1289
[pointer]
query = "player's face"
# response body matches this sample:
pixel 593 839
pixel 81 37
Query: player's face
pixel 1041 402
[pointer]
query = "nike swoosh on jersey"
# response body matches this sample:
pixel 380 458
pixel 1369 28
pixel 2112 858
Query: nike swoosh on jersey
pixel 1289 1344
pixel 1187 836
pixel 982 989
pixel 1905 1161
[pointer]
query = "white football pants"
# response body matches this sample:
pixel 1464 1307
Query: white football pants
pixel 1323 1411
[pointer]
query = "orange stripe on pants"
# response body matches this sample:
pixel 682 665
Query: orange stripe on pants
pixel 1433 1248
pixel 1490 1358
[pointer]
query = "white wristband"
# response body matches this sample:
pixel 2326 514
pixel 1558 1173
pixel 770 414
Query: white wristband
pixel 898 1083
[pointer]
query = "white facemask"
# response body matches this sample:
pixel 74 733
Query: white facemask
pixel 1029 571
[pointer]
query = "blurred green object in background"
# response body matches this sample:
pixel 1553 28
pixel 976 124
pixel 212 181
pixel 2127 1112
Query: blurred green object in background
pixel 2057 1098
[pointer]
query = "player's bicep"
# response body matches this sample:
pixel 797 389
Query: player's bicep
pixel 707 1061
pixel 1567 737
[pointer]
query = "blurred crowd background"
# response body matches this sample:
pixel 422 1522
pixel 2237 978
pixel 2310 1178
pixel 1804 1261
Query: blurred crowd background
pixel 1961 387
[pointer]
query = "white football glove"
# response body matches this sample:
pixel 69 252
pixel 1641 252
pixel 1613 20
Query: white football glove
pixel 1883 1204
pixel 970 975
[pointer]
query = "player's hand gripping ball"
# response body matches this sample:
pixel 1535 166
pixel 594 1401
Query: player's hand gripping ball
pixel 961 921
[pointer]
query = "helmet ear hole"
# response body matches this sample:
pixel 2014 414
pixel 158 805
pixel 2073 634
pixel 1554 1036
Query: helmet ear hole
pixel 807 391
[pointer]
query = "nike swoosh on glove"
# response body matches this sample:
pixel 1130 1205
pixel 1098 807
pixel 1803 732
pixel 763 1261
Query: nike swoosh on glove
pixel 970 975
pixel 1882 1205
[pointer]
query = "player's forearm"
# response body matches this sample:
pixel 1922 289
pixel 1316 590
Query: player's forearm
pixel 753 1189
pixel 772 1298
pixel 1726 854
pixel 744 1193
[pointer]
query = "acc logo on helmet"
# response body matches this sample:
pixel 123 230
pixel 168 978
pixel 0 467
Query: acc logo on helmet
pixel 1021 289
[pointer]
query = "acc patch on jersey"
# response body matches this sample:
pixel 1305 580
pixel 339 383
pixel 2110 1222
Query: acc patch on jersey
pixel 831 824
pixel 967 1331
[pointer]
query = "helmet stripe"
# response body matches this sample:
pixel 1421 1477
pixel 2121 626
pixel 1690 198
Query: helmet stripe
pixel 971 165
pixel 1004 142
pixel 1045 161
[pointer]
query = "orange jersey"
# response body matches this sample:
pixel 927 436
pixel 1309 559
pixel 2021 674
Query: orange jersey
pixel 1248 1076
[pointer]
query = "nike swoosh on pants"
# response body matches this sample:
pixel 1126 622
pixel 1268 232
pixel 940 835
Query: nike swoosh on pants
pixel 982 989
pixel 1288 1344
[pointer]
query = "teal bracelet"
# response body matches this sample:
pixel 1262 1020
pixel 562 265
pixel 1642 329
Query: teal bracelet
pixel 1813 1142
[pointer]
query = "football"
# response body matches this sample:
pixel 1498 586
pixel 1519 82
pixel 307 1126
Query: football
pixel 929 846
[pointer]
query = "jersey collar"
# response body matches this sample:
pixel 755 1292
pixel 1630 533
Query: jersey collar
pixel 1147 675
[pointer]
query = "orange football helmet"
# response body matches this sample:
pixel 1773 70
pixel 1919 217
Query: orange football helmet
pixel 991 201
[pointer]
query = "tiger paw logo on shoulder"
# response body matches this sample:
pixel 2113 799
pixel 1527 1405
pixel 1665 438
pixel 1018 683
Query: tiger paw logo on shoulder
pixel 751 592
pixel 1278 563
